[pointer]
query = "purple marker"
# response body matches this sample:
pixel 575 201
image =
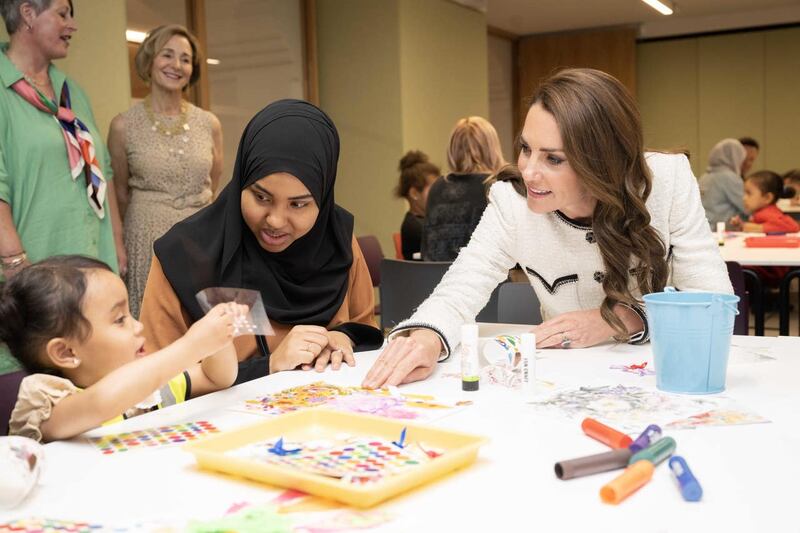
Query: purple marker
pixel 650 434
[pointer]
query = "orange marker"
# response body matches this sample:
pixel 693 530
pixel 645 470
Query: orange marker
pixel 633 478
pixel 608 436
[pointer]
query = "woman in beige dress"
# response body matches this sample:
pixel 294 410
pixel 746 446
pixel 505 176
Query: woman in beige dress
pixel 166 153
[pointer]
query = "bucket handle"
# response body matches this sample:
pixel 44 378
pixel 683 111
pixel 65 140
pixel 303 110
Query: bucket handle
pixel 733 307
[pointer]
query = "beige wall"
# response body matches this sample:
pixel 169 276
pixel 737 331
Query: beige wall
pixel 444 72
pixel 359 86
pixel 395 75
pixel 501 92
pixel 98 57
pixel 694 92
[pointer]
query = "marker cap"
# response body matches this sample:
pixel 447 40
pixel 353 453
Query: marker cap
pixel 592 464
pixel 656 452
pixel 633 478
pixel 608 436
pixel 690 487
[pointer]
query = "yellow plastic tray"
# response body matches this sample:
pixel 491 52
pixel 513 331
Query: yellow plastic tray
pixel 459 449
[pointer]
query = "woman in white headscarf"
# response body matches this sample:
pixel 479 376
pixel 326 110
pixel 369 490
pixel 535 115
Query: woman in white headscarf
pixel 722 187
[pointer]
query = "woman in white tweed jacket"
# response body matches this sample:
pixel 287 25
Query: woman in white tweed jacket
pixel 593 220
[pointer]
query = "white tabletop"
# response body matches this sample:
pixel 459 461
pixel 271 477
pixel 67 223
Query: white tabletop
pixel 734 249
pixel 786 205
pixel 748 472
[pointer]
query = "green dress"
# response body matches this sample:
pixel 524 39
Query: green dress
pixel 51 212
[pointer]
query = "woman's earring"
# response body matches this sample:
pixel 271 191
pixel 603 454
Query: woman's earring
pixel 76 361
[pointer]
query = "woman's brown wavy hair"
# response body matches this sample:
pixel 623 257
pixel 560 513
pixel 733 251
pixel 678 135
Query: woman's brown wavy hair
pixel 602 135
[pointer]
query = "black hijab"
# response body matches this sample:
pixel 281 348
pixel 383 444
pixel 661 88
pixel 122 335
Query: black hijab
pixel 307 282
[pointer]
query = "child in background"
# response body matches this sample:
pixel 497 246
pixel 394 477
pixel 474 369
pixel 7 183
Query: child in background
pixel 762 190
pixel 792 179
pixel 417 174
pixel 66 319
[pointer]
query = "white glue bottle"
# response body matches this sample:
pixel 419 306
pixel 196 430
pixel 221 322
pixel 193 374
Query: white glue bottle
pixel 528 364
pixel 470 368
pixel 721 233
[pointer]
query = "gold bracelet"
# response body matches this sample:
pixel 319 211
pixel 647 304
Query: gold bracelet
pixel 15 262
pixel 12 256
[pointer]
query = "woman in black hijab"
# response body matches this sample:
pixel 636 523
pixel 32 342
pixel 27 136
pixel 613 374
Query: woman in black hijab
pixel 274 228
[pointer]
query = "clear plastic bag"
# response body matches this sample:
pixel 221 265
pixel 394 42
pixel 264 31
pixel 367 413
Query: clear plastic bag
pixel 255 322
pixel 20 464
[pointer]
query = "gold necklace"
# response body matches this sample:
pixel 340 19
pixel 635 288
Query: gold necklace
pixel 179 127
pixel 41 85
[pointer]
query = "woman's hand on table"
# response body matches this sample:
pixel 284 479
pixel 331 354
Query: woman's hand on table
pixel 301 346
pixel 581 329
pixel 405 359
pixel 338 350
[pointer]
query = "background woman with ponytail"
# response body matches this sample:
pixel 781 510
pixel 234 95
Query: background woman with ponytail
pixel 593 220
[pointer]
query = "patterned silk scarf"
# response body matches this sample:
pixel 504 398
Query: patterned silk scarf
pixel 78 139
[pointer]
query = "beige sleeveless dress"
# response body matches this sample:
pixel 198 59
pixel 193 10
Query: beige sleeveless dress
pixel 169 178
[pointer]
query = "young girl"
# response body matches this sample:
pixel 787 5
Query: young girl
pixel 417 174
pixel 762 190
pixel 66 319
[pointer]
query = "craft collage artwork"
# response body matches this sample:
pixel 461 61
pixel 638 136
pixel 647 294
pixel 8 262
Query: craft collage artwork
pixel 384 402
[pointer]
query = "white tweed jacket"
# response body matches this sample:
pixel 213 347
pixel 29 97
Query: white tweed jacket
pixel 561 258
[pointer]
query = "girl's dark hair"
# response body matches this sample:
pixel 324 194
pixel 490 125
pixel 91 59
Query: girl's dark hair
pixel 414 170
pixel 793 176
pixel 43 301
pixel 602 134
pixel 771 182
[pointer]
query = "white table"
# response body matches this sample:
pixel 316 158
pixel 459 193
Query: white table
pixel 749 473
pixel 735 250
pixel 785 205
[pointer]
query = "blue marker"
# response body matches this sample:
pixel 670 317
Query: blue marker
pixel 690 488
pixel 650 434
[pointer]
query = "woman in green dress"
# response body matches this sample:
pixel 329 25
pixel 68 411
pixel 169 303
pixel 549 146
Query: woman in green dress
pixel 54 168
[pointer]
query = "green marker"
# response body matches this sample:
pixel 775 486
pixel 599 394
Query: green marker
pixel 656 452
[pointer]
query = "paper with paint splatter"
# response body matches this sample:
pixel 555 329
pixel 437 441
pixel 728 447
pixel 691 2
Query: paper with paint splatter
pixel 352 399
pixel 718 417
pixel 630 409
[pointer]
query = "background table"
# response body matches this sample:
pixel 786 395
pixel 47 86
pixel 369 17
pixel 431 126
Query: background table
pixel 749 473
pixel 735 250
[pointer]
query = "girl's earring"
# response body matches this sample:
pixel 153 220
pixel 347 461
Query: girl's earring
pixel 76 361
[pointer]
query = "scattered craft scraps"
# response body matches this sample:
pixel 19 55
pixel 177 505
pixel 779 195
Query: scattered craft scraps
pixel 158 437
pixel 629 409
pixel 640 369
pixel 386 403
pixel 46 525
pixel 719 417
pixel 261 519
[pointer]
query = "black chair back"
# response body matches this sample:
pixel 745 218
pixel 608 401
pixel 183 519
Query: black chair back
pixel 741 325
pixel 517 304
pixel 9 388
pixel 406 284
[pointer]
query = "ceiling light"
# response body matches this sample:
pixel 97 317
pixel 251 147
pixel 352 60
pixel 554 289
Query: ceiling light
pixel 212 61
pixel 665 7
pixel 133 36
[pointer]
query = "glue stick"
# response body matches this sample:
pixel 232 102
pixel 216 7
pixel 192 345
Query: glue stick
pixel 721 233
pixel 528 362
pixel 470 372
